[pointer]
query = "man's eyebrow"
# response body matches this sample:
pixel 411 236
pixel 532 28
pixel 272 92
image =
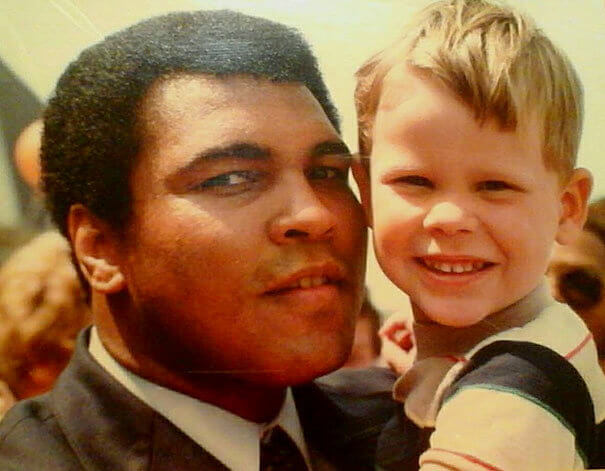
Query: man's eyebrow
pixel 330 148
pixel 238 150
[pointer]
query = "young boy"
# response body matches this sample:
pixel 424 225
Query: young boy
pixel 469 129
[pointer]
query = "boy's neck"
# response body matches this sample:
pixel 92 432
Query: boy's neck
pixel 435 339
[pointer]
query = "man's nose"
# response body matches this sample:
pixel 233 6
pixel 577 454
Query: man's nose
pixel 449 218
pixel 303 216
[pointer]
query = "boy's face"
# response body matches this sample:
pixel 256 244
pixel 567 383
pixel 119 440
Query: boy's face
pixel 464 215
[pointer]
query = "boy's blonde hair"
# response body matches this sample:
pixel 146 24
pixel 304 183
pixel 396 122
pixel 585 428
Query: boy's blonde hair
pixel 497 61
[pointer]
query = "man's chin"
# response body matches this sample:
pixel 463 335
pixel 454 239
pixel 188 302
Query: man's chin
pixel 302 371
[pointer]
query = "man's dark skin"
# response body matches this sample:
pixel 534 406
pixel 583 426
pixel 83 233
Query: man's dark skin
pixel 195 165
pixel 250 178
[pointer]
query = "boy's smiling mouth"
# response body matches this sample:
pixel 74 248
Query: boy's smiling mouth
pixel 454 265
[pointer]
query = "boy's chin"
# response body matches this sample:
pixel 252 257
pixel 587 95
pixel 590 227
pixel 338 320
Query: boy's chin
pixel 447 317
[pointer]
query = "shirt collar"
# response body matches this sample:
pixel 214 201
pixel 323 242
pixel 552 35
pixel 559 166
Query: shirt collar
pixel 231 439
pixel 441 340
pixel 441 347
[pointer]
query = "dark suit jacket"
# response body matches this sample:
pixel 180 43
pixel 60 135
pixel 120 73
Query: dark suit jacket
pixel 90 422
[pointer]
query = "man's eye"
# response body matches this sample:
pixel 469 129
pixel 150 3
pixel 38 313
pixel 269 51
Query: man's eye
pixel 494 185
pixel 326 173
pixel 230 180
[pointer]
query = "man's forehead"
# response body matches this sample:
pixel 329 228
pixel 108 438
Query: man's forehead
pixel 178 94
pixel 211 91
pixel 175 96
pixel 188 120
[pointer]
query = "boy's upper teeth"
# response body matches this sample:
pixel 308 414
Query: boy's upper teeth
pixel 454 267
pixel 309 281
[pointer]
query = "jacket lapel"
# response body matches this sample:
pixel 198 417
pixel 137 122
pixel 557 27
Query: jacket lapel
pixel 173 450
pixel 110 429
pixel 107 427
pixel 343 415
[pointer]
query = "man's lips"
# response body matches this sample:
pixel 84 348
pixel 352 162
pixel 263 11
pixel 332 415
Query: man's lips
pixel 313 276
pixel 454 265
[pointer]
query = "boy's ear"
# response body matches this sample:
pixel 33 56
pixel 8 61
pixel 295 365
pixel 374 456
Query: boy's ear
pixel 361 173
pixel 93 245
pixel 574 206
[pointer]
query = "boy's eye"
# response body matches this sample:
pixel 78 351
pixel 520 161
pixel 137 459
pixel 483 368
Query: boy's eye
pixel 494 185
pixel 414 181
pixel 326 173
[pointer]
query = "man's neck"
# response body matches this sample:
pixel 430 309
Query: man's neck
pixel 248 400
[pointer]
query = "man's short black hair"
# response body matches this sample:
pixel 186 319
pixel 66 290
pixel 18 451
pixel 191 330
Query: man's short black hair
pixel 90 125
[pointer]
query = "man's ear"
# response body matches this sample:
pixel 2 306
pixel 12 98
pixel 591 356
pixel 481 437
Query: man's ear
pixel 361 173
pixel 94 247
pixel 574 206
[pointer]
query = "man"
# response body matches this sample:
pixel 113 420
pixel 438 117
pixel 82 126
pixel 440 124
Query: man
pixel 194 163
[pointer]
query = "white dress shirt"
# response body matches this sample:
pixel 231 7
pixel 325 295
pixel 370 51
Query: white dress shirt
pixel 232 440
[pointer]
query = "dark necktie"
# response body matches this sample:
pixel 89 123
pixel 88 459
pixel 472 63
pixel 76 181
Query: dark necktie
pixel 278 452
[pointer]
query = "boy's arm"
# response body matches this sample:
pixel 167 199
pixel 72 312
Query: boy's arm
pixel 518 405
pixel 481 429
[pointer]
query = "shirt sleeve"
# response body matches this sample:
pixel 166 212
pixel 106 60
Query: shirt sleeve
pixel 482 428
pixel 516 406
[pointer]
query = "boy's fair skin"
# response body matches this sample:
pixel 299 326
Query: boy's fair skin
pixel 469 127
pixel 464 213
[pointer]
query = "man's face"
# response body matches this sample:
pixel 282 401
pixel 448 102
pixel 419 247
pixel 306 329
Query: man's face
pixel 246 250
pixel 464 215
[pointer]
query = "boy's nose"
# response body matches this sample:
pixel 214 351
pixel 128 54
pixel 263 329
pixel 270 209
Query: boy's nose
pixel 303 217
pixel 449 218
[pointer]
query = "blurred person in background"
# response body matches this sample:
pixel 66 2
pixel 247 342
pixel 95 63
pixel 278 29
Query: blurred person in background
pixel 398 350
pixel 42 307
pixel 26 154
pixel 26 159
pixel 577 274
pixel 366 341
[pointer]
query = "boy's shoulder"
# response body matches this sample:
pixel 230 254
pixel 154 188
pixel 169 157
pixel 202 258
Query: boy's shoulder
pixel 555 326
pixel 559 329
pixel 535 373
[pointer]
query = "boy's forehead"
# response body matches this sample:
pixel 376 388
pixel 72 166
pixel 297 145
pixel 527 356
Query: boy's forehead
pixel 397 86
pixel 414 100
pixel 411 87
pixel 404 82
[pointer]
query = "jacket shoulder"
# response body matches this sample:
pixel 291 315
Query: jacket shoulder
pixel 31 438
